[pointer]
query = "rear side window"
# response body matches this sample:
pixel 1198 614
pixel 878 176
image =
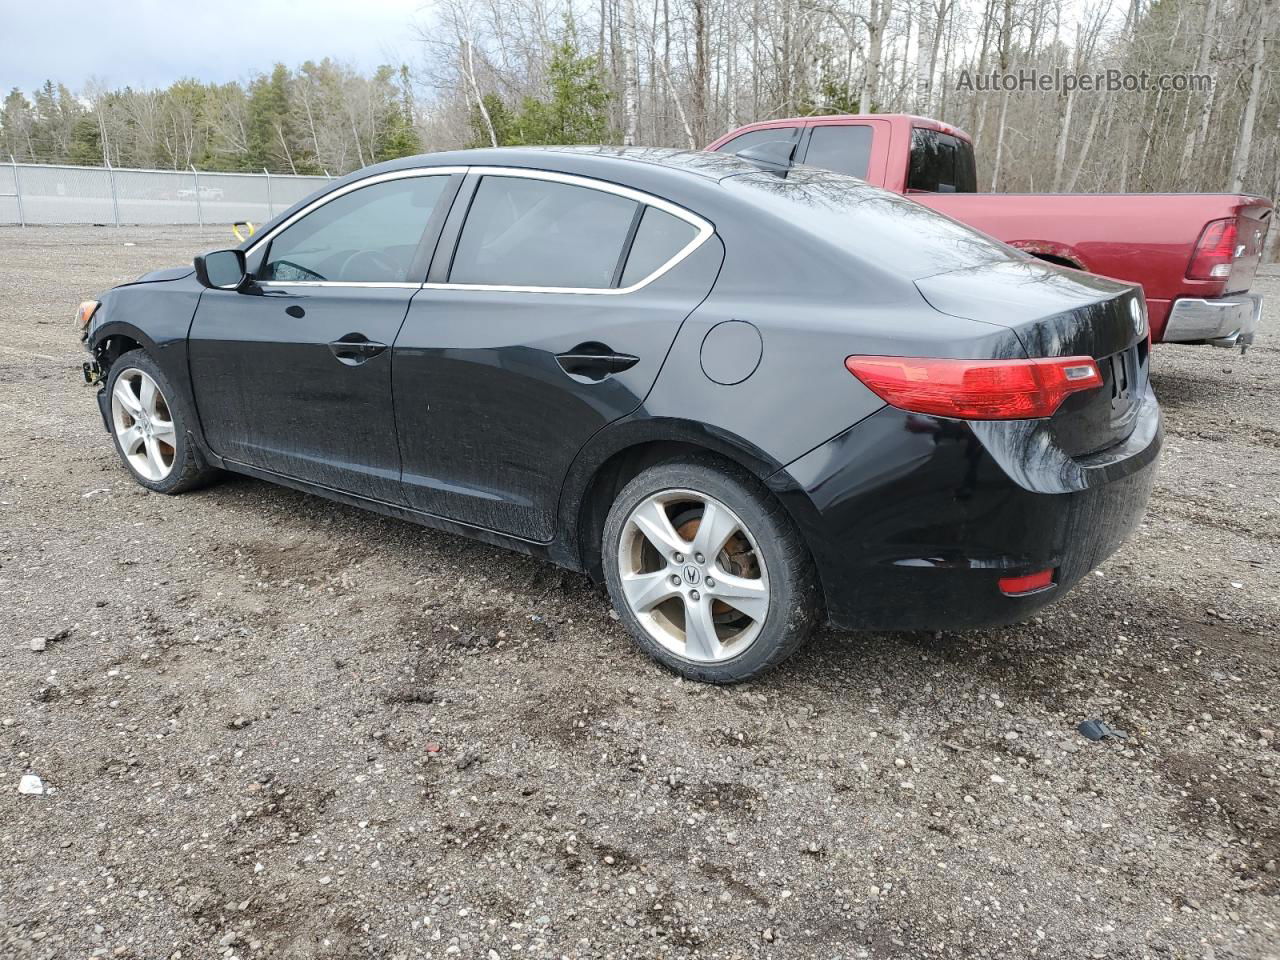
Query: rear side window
pixel 541 233
pixel 941 163
pixel 369 235
pixel 753 138
pixel 659 237
pixel 844 148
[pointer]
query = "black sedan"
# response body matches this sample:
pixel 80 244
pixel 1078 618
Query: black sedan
pixel 748 399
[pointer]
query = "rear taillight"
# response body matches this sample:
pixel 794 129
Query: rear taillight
pixel 1215 250
pixel 976 389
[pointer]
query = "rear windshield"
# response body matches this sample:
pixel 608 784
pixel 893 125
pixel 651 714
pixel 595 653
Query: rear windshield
pixel 870 223
pixel 941 163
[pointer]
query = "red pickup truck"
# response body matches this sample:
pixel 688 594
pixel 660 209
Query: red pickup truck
pixel 1195 254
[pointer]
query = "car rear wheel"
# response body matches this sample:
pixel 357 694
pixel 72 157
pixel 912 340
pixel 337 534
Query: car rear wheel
pixel 707 572
pixel 149 426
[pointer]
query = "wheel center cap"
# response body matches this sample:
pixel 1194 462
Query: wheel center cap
pixel 692 575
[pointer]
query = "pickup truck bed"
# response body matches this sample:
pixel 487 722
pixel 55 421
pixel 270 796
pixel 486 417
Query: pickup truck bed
pixel 1195 255
pixel 1144 238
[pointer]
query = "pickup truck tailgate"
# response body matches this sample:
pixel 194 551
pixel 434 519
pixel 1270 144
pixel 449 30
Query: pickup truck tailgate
pixel 1251 237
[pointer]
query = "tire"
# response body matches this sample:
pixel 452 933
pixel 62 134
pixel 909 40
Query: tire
pixel 161 454
pixel 763 599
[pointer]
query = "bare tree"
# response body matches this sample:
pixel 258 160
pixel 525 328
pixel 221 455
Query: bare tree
pixel 1244 141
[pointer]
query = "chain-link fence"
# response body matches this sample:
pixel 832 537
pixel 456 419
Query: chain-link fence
pixel 54 193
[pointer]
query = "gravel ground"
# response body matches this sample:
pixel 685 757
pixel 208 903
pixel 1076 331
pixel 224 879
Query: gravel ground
pixel 276 726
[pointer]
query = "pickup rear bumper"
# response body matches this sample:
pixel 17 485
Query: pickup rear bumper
pixel 1224 321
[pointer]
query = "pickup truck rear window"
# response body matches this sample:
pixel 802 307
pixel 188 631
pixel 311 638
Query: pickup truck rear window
pixel 941 163
pixel 844 148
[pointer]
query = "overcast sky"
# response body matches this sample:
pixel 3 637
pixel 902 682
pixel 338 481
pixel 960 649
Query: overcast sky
pixel 151 43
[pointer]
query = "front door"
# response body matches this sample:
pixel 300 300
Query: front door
pixel 293 374
pixel 551 319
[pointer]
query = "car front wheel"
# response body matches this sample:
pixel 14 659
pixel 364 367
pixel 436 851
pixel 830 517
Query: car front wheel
pixel 707 572
pixel 149 426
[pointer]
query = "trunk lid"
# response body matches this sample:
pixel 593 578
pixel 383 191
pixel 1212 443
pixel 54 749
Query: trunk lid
pixel 1055 312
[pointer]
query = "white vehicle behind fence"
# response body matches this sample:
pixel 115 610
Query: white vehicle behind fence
pixel 204 193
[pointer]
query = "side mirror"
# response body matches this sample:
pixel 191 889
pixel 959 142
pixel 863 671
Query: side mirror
pixel 222 269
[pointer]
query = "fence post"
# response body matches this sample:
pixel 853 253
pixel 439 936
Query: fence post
pixel 115 201
pixel 17 191
pixel 271 210
pixel 195 175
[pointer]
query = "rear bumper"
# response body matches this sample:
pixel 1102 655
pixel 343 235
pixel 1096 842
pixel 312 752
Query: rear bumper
pixel 1223 321
pixel 913 520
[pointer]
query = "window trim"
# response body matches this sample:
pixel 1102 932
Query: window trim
pixel 319 202
pixel 703 227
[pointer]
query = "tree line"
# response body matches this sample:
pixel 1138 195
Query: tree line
pixel 681 72
pixel 321 117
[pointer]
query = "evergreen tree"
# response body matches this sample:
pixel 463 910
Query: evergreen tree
pixel 86 142
pixel 270 128
pixel 399 138
pixel 575 112
pixel 17 121
pixel 577 109
pixel 503 120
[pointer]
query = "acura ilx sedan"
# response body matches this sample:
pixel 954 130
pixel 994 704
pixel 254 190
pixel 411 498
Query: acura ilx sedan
pixel 749 399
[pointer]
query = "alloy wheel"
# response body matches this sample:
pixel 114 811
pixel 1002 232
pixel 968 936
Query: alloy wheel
pixel 143 424
pixel 693 576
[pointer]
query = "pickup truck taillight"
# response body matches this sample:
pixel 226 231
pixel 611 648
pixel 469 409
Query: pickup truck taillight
pixel 1214 251
pixel 976 389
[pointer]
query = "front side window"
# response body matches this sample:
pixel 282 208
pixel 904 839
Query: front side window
pixel 843 148
pixel 525 232
pixel 369 235
pixel 941 163
pixel 755 138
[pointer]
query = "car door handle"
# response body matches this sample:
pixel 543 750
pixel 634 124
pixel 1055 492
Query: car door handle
pixel 355 349
pixel 593 362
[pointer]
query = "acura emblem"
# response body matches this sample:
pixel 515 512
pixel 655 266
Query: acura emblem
pixel 692 574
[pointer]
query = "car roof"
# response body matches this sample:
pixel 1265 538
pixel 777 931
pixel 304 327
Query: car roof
pixel 674 174
pixel 700 163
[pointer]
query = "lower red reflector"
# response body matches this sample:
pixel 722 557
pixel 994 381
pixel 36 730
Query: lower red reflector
pixel 1013 586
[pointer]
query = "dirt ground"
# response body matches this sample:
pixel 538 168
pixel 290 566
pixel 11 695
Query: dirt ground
pixel 276 726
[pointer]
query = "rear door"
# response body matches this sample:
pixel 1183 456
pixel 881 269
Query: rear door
pixel 292 374
pixel 549 310
pixel 856 148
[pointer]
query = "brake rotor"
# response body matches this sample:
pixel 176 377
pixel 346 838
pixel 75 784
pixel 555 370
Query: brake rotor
pixel 736 558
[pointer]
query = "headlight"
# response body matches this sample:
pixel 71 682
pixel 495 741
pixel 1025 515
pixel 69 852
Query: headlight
pixel 84 313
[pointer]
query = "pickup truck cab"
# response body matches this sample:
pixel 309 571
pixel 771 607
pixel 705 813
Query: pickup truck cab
pixel 1195 254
